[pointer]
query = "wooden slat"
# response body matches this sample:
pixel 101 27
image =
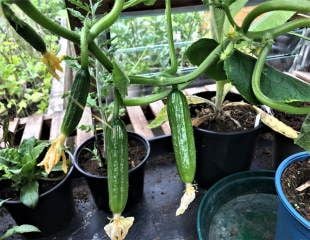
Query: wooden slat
pixel 139 121
pixel 195 90
pixel 86 119
pixel 156 108
pixel 13 125
pixel 55 125
pixel 33 127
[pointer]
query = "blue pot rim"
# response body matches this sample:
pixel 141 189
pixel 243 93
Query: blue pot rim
pixel 286 162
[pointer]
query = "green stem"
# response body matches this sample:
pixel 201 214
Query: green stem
pixel 32 12
pixel 107 20
pixel 101 56
pixel 84 46
pixel 131 3
pixel 286 5
pixel 230 18
pixel 117 103
pixel 164 80
pixel 173 58
pixel 256 78
pixel 219 95
pixel 144 100
pixel 277 31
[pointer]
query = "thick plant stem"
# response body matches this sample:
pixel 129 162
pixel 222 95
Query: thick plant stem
pixel 303 6
pixel 107 20
pixel 144 100
pixel 117 103
pixel 173 58
pixel 84 47
pixel 165 81
pixel 277 31
pixel 31 11
pixel 256 77
pixel 131 3
pixel 219 95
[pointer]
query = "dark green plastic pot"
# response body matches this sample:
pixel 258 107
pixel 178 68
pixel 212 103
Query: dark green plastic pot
pixel 231 188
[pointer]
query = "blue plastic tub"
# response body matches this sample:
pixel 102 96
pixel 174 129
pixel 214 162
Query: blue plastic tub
pixel 290 224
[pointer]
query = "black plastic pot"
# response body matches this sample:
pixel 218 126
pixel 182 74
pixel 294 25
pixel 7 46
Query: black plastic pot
pixel 53 212
pixel 283 147
pixel 220 154
pixel 99 184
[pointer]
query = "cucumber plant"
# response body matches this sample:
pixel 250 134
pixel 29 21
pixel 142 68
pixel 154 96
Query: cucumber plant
pixel 220 57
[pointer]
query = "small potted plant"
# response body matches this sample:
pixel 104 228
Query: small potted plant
pixel 293 187
pixel 34 196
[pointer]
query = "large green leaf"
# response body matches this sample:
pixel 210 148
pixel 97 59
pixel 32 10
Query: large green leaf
pixel 199 51
pixel 29 194
pixel 303 139
pixel 271 20
pixel 25 228
pixel 120 79
pixel 276 85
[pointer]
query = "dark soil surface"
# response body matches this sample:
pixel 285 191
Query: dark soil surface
pixel 93 165
pixel 231 119
pixel 294 176
pixel 294 121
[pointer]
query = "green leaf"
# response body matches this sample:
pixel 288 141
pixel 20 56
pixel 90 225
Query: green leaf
pixel 161 118
pixel 276 85
pixel 271 20
pixel 199 51
pixel 32 148
pixel 194 100
pixel 25 228
pixel 121 81
pixel 303 139
pixel 29 194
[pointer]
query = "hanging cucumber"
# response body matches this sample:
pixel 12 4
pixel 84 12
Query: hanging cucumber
pixel 33 38
pixel 116 141
pixel 183 145
pixel 74 111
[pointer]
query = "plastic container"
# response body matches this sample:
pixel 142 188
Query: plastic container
pixel 220 154
pixel 53 212
pixel 244 219
pixel 290 224
pixel 99 184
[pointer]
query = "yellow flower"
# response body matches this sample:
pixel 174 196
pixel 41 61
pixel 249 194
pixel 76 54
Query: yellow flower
pixel 54 154
pixel 52 63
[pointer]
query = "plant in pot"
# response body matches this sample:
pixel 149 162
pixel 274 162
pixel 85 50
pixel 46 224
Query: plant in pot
pixel 25 228
pixel 169 83
pixel 226 131
pixel 30 192
pixel 293 188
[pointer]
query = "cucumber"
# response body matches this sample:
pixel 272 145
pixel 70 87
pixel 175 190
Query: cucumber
pixel 77 101
pixel 183 145
pixel 116 141
pixel 24 29
pixel 182 135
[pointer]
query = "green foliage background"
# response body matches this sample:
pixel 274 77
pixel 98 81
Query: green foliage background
pixel 24 81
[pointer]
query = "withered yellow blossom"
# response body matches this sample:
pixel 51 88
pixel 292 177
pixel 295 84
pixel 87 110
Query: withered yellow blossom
pixel 52 63
pixel 54 154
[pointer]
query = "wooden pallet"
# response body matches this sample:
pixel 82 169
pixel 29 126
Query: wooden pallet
pixel 47 126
